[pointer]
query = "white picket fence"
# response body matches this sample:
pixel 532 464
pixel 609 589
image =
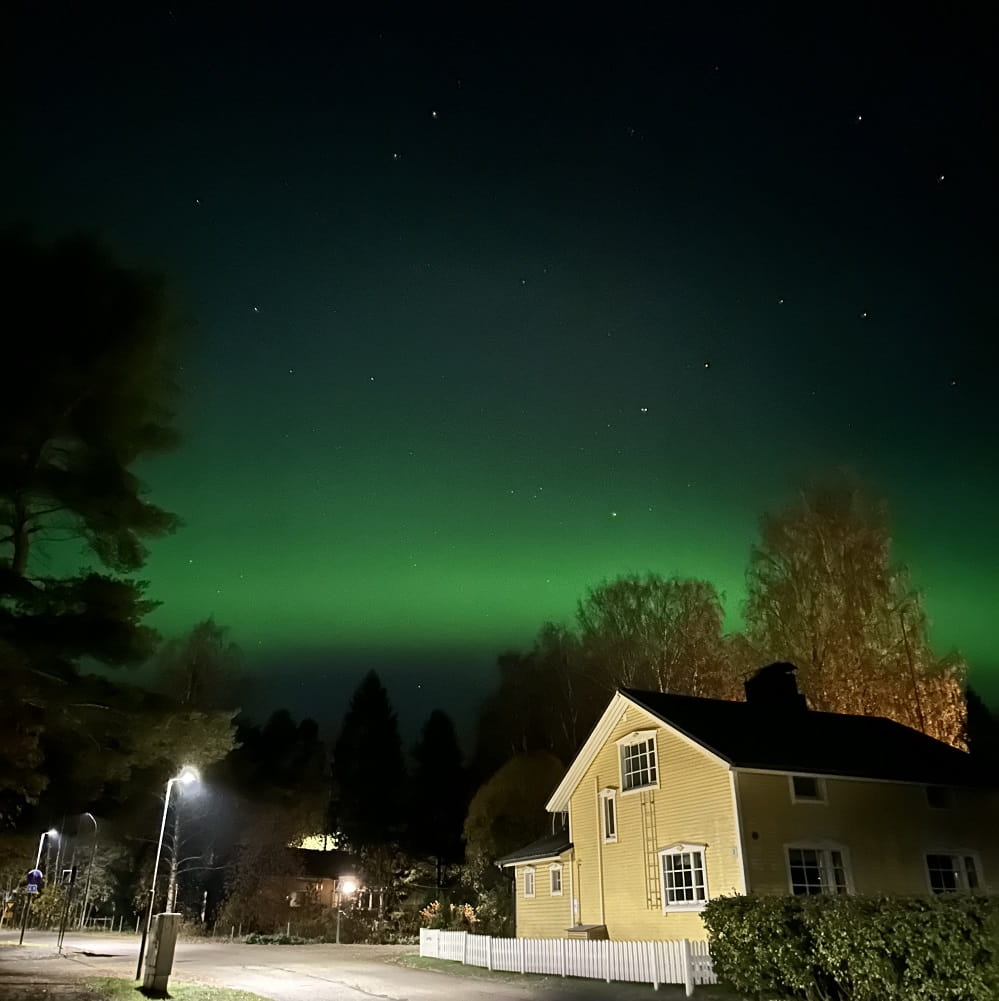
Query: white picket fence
pixel 675 962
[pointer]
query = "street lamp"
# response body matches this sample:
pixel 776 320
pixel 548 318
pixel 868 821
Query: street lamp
pixel 345 887
pixel 50 833
pixel 185 776
pixel 90 871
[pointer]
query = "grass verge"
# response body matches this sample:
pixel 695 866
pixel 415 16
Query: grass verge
pixel 118 989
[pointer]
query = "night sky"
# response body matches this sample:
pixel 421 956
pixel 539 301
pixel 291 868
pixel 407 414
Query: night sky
pixel 482 313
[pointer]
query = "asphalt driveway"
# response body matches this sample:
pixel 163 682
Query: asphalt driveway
pixel 283 973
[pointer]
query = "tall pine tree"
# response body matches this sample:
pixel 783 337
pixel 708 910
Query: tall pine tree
pixel 438 796
pixel 368 770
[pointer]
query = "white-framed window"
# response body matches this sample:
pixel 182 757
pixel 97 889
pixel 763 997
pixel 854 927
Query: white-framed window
pixel 948 872
pixel 555 879
pixel 807 789
pixel 684 877
pixel 529 881
pixel 638 760
pixel 817 869
pixel 608 814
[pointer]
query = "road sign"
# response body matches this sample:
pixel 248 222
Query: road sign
pixel 32 888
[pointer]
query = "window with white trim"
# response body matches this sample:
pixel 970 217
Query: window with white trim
pixel 638 760
pixel 684 877
pixel 555 879
pixel 816 869
pixel 949 872
pixel 807 789
pixel 529 881
pixel 608 814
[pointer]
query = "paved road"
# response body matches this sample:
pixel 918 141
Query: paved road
pixel 284 973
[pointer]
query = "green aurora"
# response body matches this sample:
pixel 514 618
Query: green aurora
pixel 477 320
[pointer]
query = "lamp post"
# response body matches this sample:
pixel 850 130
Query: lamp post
pixel 345 887
pixel 90 872
pixel 185 776
pixel 50 833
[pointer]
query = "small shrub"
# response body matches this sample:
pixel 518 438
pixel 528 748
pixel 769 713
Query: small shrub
pixel 453 917
pixel 254 939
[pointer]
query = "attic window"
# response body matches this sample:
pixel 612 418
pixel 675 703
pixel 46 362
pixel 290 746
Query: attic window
pixel 807 789
pixel 638 760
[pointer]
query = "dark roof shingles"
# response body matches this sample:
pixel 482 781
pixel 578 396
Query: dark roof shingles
pixel 750 736
pixel 547 847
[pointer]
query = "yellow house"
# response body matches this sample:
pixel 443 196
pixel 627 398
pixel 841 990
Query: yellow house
pixel 673 800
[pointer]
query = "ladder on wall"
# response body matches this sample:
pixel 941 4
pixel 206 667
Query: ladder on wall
pixel 653 892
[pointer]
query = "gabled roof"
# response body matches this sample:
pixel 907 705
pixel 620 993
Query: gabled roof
pixel 550 846
pixel 749 736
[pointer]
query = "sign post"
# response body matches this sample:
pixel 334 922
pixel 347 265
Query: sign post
pixel 69 881
pixel 34 883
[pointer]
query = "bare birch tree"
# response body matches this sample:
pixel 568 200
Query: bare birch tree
pixel 823 593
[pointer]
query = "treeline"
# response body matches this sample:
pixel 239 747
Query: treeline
pixel 822 592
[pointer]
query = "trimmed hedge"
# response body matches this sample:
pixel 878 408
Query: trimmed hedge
pixel 845 948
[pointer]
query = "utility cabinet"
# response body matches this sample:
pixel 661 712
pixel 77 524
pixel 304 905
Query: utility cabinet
pixel 159 952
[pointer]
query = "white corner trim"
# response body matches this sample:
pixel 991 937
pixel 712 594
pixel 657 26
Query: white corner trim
pixel 600 734
pixel 737 818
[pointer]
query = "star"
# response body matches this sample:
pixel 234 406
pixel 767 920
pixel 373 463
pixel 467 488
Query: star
pixel 780 302
pixel 396 156
pixel 433 114
pixel 940 178
pixel 644 410
pixel 256 309
pixel 859 118
pixel 707 364
pixel 863 315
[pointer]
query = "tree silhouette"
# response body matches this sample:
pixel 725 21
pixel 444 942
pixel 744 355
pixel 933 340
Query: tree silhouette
pixel 508 811
pixel 650 632
pixel 88 394
pixel 368 770
pixel 438 794
pixel 203 669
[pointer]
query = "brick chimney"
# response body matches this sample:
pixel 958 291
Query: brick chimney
pixel 774 688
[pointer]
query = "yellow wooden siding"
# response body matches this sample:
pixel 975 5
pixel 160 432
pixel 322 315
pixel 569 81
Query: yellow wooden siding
pixel 693 803
pixel 543 916
pixel 886 827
